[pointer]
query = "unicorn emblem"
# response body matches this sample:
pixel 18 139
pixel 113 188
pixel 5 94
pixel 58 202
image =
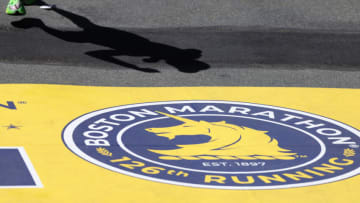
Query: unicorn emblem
pixel 227 141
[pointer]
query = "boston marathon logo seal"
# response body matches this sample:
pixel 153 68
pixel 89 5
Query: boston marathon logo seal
pixel 217 144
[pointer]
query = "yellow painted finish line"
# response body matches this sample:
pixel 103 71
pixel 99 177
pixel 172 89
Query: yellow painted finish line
pixel 33 117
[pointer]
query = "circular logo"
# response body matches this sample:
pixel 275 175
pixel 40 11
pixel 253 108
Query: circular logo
pixel 217 144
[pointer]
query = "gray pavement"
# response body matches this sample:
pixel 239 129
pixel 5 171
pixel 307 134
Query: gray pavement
pixel 249 75
pixel 299 14
pixel 158 43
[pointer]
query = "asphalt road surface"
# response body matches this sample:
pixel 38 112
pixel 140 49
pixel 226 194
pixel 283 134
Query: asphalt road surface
pixel 239 43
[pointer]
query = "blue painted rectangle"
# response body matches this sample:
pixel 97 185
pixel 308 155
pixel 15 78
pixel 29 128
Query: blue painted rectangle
pixel 13 169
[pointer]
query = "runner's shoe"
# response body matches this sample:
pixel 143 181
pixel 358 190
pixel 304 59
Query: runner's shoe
pixel 15 7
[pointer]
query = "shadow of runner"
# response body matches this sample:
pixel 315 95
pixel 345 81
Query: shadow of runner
pixel 121 43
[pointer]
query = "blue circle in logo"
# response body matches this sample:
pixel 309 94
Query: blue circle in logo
pixel 217 144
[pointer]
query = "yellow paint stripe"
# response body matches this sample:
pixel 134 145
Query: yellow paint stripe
pixel 44 110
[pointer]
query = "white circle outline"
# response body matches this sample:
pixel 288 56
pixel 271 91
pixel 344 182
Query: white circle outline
pixel 69 142
pixel 321 154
